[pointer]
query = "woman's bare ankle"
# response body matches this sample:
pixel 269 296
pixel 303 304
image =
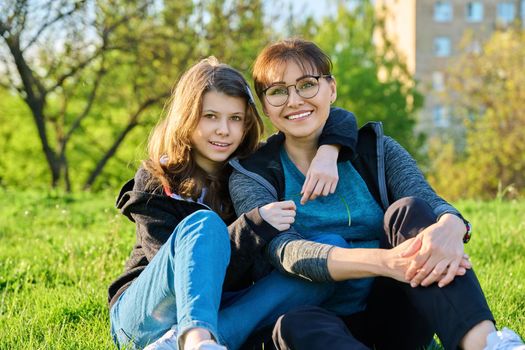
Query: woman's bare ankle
pixel 194 336
pixel 476 337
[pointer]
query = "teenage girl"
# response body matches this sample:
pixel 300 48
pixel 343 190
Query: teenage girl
pixel 188 283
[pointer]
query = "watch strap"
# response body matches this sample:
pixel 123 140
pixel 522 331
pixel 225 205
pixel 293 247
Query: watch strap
pixel 468 233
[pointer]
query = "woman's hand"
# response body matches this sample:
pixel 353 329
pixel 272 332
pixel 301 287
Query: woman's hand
pixel 396 261
pixel 321 177
pixel 279 214
pixel 439 254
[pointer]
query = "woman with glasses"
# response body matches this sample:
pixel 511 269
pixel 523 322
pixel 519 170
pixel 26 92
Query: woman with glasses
pixel 388 244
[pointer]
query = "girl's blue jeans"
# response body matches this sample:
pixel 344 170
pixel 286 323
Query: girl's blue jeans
pixel 182 288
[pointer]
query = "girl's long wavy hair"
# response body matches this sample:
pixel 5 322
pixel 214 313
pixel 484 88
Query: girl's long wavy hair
pixel 170 149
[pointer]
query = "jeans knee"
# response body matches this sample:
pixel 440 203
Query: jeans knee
pixel 299 315
pixel 289 327
pixel 287 324
pixel 408 203
pixel 209 216
pixel 406 217
pixel 202 225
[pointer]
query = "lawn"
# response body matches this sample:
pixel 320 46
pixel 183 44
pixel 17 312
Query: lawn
pixel 58 253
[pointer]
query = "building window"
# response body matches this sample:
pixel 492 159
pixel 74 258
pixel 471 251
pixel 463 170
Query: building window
pixel 505 12
pixel 443 11
pixel 442 46
pixel 474 11
pixel 523 13
pixel 438 81
pixel 440 117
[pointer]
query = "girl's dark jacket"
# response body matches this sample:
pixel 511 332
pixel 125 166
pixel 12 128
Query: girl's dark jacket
pixel 388 170
pixel 156 215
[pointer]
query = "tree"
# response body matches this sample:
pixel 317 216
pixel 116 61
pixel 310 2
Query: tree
pixel 92 71
pixel 486 91
pixel 372 80
pixel 56 55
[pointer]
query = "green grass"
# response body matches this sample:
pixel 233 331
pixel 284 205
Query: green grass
pixel 58 253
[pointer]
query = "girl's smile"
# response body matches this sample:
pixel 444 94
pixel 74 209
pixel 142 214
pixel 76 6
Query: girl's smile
pixel 220 130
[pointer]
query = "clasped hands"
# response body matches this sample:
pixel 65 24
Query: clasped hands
pixel 436 255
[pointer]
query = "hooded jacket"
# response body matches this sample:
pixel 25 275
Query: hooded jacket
pixel 388 170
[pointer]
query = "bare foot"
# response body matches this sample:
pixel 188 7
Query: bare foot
pixel 476 338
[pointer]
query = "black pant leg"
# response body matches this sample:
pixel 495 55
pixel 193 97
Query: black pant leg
pixel 404 219
pixel 452 310
pixel 313 328
pixel 401 317
pixel 390 321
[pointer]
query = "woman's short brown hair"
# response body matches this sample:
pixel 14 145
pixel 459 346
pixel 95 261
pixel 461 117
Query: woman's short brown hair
pixel 274 56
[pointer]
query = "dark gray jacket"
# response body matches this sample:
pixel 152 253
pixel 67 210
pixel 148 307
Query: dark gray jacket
pixel 388 170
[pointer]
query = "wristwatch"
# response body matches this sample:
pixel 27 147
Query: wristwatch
pixel 468 234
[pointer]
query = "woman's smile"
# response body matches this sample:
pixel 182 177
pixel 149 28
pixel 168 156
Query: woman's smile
pixel 299 115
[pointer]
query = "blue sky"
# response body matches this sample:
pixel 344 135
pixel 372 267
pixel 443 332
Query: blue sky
pixel 318 8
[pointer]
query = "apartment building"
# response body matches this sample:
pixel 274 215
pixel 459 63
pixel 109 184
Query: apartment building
pixel 428 34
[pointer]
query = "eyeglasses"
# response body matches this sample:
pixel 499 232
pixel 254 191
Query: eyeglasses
pixel 306 87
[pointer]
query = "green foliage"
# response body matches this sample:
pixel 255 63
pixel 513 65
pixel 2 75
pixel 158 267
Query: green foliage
pixel 373 81
pixel 104 86
pixel 22 160
pixel 107 68
pixel 486 94
pixel 59 253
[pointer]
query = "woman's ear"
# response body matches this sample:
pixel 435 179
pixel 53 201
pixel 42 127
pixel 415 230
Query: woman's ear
pixel 333 90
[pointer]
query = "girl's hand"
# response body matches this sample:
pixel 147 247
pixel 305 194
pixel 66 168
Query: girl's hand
pixel 279 214
pixel 322 177
pixel 441 256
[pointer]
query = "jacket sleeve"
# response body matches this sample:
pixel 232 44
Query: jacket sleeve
pixel 340 129
pixel 152 213
pixel 287 251
pixel 404 179
pixel 246 247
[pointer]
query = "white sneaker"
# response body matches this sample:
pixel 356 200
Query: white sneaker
pixel 167 342
pixel 504 339
pixel 208 345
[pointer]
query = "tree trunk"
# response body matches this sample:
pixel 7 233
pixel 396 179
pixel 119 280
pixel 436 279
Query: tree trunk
pixel 35 100
pixel 133 122
pixel 107 156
